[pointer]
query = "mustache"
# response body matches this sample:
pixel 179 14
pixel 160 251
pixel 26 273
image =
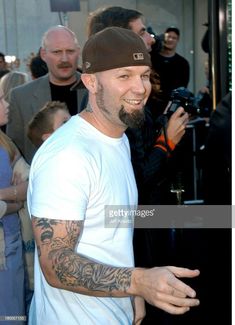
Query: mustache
pixel 64 65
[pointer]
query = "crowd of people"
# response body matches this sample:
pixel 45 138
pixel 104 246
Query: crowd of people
pixel 86 143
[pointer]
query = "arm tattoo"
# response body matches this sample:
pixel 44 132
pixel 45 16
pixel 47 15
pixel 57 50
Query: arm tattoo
pixel 75 271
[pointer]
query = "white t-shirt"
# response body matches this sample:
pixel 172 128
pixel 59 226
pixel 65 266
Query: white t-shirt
pixel 74 175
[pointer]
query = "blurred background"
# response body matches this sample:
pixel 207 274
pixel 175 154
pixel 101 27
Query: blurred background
pixel 22 23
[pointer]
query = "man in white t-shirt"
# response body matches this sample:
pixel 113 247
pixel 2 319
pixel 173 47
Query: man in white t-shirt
pixel 80 178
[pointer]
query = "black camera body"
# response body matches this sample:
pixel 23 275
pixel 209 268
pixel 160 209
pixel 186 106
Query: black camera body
pixel 183 97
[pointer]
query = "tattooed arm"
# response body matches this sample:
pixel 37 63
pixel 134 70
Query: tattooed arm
pixel 63 268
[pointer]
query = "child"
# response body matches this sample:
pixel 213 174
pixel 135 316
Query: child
pixel 46 121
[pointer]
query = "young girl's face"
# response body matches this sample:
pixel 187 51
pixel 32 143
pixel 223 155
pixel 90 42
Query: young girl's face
pixel 3 109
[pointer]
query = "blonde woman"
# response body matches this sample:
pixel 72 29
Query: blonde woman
pixel 11 80
pixel 12 195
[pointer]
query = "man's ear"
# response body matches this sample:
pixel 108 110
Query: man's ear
pixel 42 54
pixel 90 82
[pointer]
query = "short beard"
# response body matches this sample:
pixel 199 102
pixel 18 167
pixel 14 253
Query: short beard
pixel 132 120
pixel 100 99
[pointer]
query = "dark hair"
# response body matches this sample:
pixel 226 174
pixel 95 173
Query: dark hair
pixel 173 29
pixel 37 67
pixel 3 72
pixel 109 17
pixel 2 55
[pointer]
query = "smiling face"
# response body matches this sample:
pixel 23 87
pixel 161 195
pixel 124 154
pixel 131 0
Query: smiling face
pixel 4 111
pixel 61 54
pixel 171 40
pixel 121 95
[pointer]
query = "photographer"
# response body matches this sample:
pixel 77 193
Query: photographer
pixel 151 154
pixel 173 69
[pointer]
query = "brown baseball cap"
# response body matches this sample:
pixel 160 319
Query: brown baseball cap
pixel 114 47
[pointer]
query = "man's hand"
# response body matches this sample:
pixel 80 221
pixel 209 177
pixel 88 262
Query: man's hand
pixel 161 287
pixel 176 125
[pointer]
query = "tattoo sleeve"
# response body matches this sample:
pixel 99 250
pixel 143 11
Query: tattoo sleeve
pixel 56 242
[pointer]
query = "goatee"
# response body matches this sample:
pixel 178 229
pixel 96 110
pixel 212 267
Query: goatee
pixel 133 120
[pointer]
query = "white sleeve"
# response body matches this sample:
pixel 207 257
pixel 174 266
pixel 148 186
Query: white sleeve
pixel 60 187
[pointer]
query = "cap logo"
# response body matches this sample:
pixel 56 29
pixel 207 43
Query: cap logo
pixel 138 56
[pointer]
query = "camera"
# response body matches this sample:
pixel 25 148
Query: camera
pixel 183 97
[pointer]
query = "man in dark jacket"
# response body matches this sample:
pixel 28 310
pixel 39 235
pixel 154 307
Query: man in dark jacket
pixel 60 50
pixel 173 69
